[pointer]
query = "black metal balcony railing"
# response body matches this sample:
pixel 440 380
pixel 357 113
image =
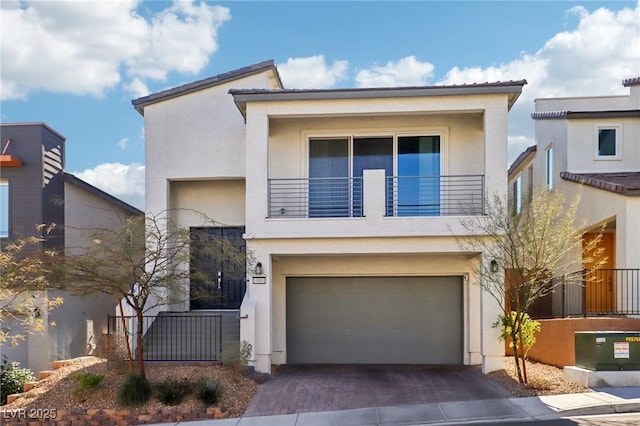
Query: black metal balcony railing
pixel 170 337
pixel 435 195
pixel 315 197
pixel 405 196
pixel 599 292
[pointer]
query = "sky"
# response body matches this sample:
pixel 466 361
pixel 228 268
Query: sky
pixel 77 65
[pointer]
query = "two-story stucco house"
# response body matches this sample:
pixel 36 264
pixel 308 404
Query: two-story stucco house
pixel 350 200
pixel 589 147
pixel 34 190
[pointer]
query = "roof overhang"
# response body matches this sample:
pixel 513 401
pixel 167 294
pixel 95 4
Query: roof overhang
pixel 266 66
pixel 512 89
pixel 10 161
pixel 624 183
pixel 522 159
pixel 573 115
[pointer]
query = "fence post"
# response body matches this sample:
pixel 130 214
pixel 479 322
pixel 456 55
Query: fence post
pixel 584 293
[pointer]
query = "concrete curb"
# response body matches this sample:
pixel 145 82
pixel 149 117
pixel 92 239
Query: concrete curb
pixel 618 408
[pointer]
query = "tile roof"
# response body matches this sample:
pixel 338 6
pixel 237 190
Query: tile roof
pixel 521 158
pixel 631 81
pixel 625 183
pixel 622 113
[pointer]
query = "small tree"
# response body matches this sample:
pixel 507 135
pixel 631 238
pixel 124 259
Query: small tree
pixel 24 280
pixel 145 263
pixel 538 245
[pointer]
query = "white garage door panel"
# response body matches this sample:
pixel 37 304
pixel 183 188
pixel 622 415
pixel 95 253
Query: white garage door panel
pixel 387 320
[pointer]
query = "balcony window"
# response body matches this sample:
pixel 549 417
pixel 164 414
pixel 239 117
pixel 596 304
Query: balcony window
pixel 412 165
pixel 329 178
pixel 418 176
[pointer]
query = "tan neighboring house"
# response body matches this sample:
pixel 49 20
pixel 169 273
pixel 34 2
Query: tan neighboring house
pixel 589 146
pixel 350 200
pixel 35 189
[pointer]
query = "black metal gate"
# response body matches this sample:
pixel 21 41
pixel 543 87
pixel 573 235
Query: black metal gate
pixel 169 336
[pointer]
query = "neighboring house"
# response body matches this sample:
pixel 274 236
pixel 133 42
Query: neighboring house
pixel 34 189
pixel 350 200
pixel 590 147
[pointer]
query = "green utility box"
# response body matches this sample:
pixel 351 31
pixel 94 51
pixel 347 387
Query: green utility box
pixel 608 350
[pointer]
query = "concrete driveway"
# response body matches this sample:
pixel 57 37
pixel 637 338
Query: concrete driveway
pixel 309 388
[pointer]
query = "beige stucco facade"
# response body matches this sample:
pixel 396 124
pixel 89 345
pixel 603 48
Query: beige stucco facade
pixel 607 185
pixel 215 152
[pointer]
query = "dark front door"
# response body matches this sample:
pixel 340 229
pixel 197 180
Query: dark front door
pixel 222 289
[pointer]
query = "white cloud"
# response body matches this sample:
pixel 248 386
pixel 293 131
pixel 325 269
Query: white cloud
pixel 123 143
pixel 312 72
pixel 407 71
pixel 136 88
pixel 86 47
pixel 590 60
pixel 123 181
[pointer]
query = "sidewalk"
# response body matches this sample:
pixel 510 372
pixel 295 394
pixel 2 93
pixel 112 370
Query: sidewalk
pixel 601 401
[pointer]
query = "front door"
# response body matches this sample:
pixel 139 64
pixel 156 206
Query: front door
pixel 222 289
pixel 599 283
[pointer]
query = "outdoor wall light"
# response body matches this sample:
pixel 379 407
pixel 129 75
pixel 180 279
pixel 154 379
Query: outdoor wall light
pixel 258 274
pixel 494 266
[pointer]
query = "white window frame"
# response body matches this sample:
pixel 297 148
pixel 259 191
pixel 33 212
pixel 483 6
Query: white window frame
pixel 351 135
pixel 548 158
pixel 517 195
pixel 596 142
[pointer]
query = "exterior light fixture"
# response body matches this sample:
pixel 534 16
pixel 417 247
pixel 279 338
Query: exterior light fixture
pixel 494 266
pixel 258 274
pixel 259 269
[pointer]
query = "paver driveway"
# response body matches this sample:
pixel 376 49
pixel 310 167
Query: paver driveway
pixel 308 388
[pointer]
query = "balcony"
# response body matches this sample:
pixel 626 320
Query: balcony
pixel 601 292
pixel 404 196
pixel 315 197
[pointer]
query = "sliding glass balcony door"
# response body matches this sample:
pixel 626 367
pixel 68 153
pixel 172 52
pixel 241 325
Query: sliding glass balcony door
pixel 337 165
pixel 329 178
pixel 418 182
pixel 373 153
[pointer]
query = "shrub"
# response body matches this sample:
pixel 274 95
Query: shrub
pixel 12 377
pixel 135 391
pixel 236 356
pixel 86 381
pixel 172 392
pixel 209 391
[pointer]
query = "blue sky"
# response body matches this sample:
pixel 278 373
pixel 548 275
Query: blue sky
pixel 76 65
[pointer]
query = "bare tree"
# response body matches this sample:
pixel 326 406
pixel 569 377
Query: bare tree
pixel 145 263
pixel 538 247
pixel 25 272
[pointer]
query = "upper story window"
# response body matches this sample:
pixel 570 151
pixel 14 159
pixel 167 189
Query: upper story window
pixel 529 182
pixel 549 166
pixel 517 195
pixel 607 143
pixel 4 208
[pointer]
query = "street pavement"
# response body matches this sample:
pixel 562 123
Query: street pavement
pixel 600 401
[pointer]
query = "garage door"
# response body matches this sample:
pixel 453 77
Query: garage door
pixel 377 320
